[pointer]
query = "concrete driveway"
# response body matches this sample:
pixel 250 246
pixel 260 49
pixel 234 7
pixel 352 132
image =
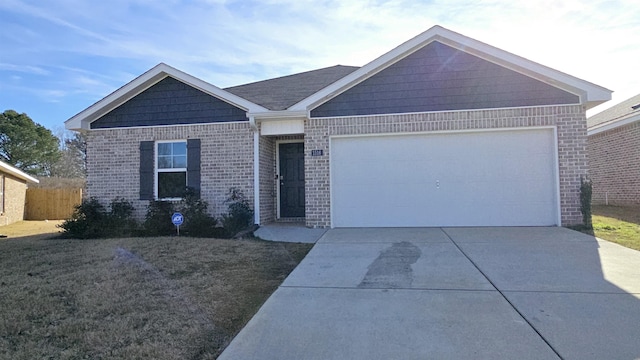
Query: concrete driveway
pixel 431 293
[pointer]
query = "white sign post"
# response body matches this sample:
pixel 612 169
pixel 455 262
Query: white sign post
pixel 177 219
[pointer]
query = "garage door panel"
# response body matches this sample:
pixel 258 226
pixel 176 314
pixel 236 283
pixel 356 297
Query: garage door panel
pixel 456 179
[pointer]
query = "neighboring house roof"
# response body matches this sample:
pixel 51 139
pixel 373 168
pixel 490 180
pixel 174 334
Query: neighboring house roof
pixel 626 112
pixel 280 93
pixel 590 94
pixel 145 81
pixel 8 169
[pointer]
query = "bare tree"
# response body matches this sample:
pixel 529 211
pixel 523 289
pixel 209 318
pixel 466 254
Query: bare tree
pixel 73 162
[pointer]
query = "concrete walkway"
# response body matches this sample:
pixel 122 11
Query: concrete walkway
pixel 289 232
pixel 451 293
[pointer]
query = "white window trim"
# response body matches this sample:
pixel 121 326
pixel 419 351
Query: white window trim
pixel 158 170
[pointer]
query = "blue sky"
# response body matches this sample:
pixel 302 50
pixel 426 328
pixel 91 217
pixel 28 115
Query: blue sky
pixel 59 57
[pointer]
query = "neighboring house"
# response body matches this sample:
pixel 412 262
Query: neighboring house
pixel 13 192
pixel 443 130
pixel 614 154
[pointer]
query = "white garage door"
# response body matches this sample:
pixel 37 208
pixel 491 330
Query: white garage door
pixel 485 178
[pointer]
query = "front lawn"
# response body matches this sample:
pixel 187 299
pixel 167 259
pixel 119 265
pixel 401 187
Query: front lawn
pixel 135 298
pixel 617 224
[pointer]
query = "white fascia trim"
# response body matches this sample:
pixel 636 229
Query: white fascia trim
pixel 145 81
pixel 278 115
pixel 612 125
pixel 6 168
pixel 589 93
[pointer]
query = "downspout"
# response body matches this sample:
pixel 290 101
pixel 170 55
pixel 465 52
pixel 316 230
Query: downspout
pixel 256 170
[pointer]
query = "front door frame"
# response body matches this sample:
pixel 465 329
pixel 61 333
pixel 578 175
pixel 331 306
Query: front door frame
pixel 278 142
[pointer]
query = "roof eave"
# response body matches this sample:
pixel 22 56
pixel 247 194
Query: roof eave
pixel 612 124
pixel 17 173
pixel 82 120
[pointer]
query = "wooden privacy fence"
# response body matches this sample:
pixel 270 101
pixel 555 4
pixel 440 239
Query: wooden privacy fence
pixel 51 204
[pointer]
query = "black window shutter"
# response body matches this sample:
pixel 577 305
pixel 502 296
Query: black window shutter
pixel 146 170
pixel 193 164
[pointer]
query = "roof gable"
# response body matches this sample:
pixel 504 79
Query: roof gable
pixel 170 102
pixel 83 119
pixel 438 77
pixel 588 93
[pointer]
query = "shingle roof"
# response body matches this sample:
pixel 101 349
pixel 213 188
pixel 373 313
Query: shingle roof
pixel 280 93
pixel 616 113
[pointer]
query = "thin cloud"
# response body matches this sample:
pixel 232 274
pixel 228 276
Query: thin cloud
pixel 24 69
pixel 46 14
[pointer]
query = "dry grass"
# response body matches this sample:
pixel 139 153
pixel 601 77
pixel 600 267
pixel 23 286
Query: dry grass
pixel 617 224
pixel 30 228
pixel 143 298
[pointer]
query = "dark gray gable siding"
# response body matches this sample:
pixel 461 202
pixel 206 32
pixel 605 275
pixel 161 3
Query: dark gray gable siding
pixel 170 102
pixel 437 78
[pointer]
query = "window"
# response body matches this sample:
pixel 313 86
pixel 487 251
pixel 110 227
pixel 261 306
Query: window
pixel 170 164
pixel 171 169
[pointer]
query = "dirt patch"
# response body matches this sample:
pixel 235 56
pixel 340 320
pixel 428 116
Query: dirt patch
pixel 31 228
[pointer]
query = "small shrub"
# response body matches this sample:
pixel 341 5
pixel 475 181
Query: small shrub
pixel 158 219
pixel 240 215
pixel 87 222
pixel 90 220
pixel 197 221
pixel 586 190
pixel 120 219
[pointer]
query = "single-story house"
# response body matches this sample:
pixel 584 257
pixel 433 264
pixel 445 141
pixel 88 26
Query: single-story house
pixel 443 130
pixel 13 192
pixel 614 154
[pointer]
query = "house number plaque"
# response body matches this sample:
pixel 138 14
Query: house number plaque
pixel 317 152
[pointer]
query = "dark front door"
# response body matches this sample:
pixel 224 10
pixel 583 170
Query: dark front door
pixel 291 180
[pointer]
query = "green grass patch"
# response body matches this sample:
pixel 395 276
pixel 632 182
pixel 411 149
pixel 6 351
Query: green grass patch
pixel 617 224
pixel 136 298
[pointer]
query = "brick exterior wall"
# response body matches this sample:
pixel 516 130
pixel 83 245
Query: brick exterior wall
pixel 227 155
pixel 267 179
pixel 113 161
pixel 569 120
pixel 614 161
pixel 15 192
